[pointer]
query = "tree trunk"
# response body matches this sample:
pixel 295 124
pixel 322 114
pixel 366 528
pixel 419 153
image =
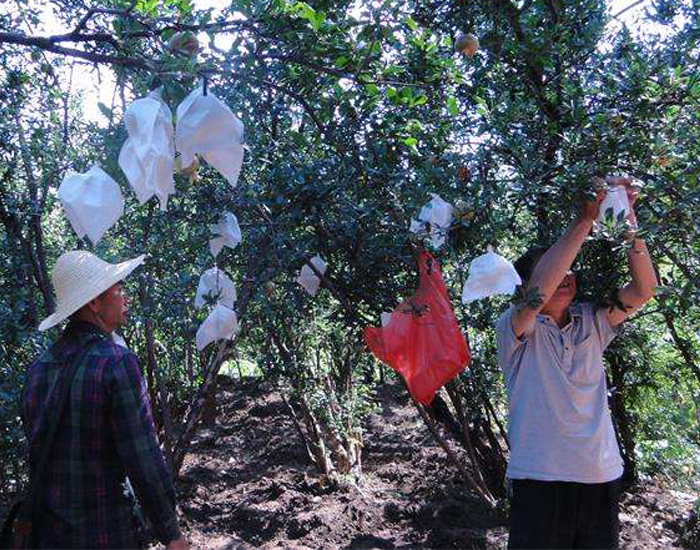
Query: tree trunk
pixel 209 410
pixel 478 488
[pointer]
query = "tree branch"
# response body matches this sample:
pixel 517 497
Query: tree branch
pixel 46 43
pixel 93 11
pixel 623 10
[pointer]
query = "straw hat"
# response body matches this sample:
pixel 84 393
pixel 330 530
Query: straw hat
pixel 80 276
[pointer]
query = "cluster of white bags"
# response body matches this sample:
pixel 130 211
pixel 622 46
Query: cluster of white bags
pixel 214 285
pixel 489 274
pixel 221 323
pixel 205 126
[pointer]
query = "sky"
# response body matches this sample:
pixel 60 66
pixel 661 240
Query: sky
pixel 102 90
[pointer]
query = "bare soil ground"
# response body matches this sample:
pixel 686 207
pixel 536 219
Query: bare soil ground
pixel 249 484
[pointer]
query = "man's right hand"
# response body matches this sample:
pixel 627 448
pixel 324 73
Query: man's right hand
pixel 591 208
pixel 178 544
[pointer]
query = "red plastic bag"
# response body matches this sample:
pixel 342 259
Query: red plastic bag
pixel 422 342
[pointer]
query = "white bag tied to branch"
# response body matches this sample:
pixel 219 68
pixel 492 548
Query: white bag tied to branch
pixel 615 203
pixel 438 215
pixel 490 274
pixel 147 157
pixel 207 126
pixel 215 284
pixel 93 202
pixel 221 324
pixel 308 279
pixel 226 233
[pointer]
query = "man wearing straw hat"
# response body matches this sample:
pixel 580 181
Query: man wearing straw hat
pixel 105 431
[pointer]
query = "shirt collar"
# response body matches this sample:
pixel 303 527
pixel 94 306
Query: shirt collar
pixel 78 327
pixel 575 310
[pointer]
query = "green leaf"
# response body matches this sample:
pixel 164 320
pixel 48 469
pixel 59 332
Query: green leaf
pixel 452 106
pixel 147 6
pixel 106 111
pixel 320 19
pixel 481 106
pixel 411 23
pixel 371 89
pixel 410 141
pixel 185 8
pixel 167 34
pixel 315 18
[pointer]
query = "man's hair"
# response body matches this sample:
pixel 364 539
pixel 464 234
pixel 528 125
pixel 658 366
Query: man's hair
pixel 526 263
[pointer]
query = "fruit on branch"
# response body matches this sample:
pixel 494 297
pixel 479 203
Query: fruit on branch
pixel 463 212
pixel 184 42
pixel 617 119
pixel 468 44
pixel 662 155
pixel 463 174
pixel 190 171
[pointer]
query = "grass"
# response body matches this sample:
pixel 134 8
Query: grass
pixel 240 368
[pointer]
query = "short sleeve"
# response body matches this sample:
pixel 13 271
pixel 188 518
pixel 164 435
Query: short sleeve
pixel 606 333
pixel 510 347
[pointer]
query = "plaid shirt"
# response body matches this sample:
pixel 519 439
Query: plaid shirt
pixel 105 433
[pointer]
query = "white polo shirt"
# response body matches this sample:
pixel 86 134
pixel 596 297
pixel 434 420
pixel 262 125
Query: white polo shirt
pixel 559 422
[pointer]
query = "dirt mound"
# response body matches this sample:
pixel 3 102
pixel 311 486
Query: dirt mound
pixel 249 484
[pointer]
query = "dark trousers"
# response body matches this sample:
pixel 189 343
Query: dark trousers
pixel 559 514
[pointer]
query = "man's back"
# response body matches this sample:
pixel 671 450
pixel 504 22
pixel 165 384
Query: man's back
pixel 104 434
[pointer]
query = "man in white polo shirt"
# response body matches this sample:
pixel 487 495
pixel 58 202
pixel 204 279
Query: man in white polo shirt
pixel 565 463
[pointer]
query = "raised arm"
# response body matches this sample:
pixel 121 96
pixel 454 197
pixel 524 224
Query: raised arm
pixel 552 267
pixel 641 289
